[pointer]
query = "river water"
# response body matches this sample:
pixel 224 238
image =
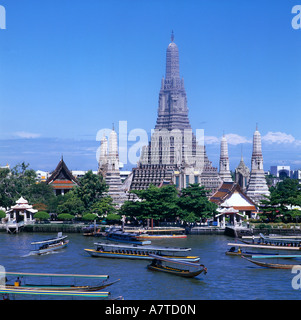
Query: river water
pixel 228 278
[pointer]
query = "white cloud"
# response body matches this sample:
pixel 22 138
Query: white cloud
pixel 236 139
pixel 26 135
pixel 279 138
pixel 232 138
pixel 211 140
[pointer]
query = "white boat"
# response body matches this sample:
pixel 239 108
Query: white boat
pixel 45 246
pixel 133 251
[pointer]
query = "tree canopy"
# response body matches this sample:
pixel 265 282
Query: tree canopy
pixel 166 203
pixel 279 204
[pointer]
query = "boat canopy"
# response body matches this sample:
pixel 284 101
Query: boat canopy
pixel 21 274
pixel 177 261
pixel 140 247
pixel 49 240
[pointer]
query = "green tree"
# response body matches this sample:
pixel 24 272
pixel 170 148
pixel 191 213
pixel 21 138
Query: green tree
pixel 91 189
pixel 194 204
pixel 155 203
pixel 39 193
pixel 283 196
pixel 113 217
pixel 14 183
pixel 71 204
pixel 89 216
pixel 2 214
pixel 103 207
pixel 65 216
pixel 41 215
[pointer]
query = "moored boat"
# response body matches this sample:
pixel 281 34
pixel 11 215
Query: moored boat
pixel 116 234
pixel 133 251
pixel 266 246
pixel 45 246
pixel 176 267
pixel 162 236
pixel 23 278
pixel 271 265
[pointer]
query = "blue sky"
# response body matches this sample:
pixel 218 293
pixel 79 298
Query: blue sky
pixel 70 68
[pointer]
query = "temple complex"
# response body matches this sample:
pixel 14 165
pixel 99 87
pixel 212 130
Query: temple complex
pixel 174 153
pixel 257 186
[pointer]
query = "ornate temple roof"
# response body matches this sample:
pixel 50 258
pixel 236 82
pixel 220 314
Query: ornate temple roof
pixel 233 194
pixel 62 177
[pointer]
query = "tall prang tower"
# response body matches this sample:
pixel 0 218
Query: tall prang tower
pixel 108 167
pixel 224 170
pixel 257 187
pixel 173 155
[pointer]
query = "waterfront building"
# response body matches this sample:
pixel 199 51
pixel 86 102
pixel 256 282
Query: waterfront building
pixel 224 170
pixel 61 179
pixel 231 199
pixel 257 187
pixel 108 167
pixel 174 153
pixel 21 211
pixel 242 174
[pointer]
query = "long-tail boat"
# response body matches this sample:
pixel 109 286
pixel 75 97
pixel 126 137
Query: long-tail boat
pixel 45 246
pixel 273 265
pixel 23 278
pixel 176 267
pixel 25 291
pixel 133 251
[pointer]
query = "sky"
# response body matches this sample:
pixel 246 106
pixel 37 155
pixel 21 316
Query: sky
pixel 70 68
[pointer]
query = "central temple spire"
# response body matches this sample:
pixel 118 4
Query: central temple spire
pixel 172 61
pixel 172 111
pixel 172 36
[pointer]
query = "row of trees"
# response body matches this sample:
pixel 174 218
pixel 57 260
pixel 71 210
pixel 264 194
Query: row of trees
pixel 167 203
pixel 281 205
pixel 90 199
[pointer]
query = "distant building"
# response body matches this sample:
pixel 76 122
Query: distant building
pixel 296 174
pixel 5 167
pixel 80 173
pixel 42 176
pixel 281 171
pixel 61 179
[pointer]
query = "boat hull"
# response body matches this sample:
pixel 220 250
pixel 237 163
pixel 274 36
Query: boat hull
pixel 163 236
pixel 176 272
pixel 272 265
pixel 50 248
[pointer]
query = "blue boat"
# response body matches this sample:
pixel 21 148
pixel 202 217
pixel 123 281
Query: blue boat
pixel 116 234
pixel 46 246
